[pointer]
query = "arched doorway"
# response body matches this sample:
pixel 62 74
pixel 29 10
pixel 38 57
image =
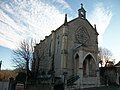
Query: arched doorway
pixel 89 66
pixel 76 64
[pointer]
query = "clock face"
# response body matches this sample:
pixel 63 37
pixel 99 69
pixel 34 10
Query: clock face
pixel 82 35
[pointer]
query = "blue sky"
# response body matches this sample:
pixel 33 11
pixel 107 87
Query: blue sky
pixel 20 19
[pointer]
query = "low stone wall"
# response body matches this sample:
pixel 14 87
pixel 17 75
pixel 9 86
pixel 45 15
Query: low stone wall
pixel 4 85
pixel 108 76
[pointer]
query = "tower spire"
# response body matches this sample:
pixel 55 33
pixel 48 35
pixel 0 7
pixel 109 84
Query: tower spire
pixel 65 22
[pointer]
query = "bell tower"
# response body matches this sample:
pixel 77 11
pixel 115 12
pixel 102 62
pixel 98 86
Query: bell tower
pixel 82 12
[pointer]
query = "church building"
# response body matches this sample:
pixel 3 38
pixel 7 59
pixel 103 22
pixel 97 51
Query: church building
pixel 69 55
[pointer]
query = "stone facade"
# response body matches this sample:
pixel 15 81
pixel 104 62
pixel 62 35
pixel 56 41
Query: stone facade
pixel 72 52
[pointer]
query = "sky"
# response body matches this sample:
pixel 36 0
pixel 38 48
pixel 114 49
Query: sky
pixel 25 19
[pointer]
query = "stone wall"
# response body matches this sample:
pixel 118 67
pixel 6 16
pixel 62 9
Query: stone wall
pixel 108 75
pixel 4 85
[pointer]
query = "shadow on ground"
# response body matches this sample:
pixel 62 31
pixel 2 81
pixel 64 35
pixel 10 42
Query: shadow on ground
pixel 104 88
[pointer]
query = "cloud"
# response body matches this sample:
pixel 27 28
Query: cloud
pixel 63 3
pixel 100 16
pixel 21 19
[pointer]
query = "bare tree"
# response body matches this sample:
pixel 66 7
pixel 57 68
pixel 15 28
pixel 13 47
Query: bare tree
pixel 23 55
pixel 104 55
pixel 37 58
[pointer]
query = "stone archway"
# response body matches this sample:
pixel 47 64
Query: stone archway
pixel 89 66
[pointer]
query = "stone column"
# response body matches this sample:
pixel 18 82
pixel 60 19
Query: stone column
pixel 53 43
pixel 81 69
pixel 53 57
pixel 64 51
pixel 98 72
pixel 98 77
pixel 81 77
pixel 65 80
pixel 64 54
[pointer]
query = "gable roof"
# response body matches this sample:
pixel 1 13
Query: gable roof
pixel 85 21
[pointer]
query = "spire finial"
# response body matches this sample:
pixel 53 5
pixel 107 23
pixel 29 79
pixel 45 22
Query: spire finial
pixel 81 5
pixel 65 22
pixel 94 26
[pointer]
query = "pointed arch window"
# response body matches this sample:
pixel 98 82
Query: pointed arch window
pixel 50 48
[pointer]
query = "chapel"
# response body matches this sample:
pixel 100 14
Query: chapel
pixel 69 55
